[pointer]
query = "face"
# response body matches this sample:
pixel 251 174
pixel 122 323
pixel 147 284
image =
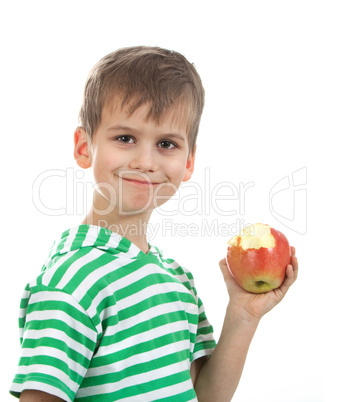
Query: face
pixel 137 164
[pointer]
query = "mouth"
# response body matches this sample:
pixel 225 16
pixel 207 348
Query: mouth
pixel 139 182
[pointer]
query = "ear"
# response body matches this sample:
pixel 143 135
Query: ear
pixel 189 169
pixel 81 148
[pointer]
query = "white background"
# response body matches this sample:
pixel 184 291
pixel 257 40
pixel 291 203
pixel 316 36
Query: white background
pixel 270 73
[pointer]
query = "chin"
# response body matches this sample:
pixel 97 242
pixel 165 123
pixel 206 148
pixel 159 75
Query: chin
pixel 135 206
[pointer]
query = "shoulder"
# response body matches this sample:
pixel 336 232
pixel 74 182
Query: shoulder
pixel 80 277
pixel 77 269
pixel 70 290
pixel 180 272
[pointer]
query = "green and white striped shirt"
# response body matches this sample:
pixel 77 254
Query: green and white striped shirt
pixel 106 322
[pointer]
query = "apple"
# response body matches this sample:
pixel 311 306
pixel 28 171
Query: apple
pixel 257 258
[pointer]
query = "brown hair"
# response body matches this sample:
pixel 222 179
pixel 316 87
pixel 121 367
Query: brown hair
pixel 137 75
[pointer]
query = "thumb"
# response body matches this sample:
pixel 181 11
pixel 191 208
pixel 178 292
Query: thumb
pixel 225 269
pixel 229 280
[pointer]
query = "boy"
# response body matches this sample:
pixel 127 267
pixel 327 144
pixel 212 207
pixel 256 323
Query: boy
pixel 110 318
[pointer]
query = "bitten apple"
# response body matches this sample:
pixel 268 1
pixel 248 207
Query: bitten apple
pixel 258 257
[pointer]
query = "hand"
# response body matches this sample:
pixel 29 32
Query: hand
pixel 251 306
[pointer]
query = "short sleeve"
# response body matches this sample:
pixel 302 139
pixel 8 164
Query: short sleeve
pixel 205 342
pixel 58 340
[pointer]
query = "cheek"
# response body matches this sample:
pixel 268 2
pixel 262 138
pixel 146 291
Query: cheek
pixel 175 174
pixel 103 163
pixel 176 171
pixel 99 170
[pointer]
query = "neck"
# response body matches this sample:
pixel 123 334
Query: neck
pixel 131 226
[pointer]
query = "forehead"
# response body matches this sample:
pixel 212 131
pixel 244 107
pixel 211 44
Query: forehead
pixel 176 116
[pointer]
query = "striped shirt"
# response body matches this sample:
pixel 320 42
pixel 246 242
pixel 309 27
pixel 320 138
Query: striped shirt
pixel 106 322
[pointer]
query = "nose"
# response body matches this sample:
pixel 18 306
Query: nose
pixel 143 159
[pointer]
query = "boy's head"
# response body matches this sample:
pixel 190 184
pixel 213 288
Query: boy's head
pixel 131 77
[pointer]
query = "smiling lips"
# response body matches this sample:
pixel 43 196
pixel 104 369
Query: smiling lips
pixel 139 182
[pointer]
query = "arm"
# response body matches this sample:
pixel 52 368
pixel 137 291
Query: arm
pixel 219 375
pixel 46 331
pixel 38 396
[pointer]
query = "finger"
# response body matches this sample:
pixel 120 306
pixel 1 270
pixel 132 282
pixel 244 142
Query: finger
pixel 224 268
pixel 293 251
pixel 290 278
pixel 294 264
pixel 294 261
pixel 223 264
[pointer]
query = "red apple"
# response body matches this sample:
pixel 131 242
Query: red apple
pixel 258 257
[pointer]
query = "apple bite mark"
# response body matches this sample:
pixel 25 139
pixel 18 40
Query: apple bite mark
pixel 254 236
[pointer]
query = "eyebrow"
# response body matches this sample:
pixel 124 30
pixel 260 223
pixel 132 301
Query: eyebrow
pixel 131 130
pixel 119 128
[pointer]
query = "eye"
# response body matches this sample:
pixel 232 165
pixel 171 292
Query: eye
pixel 126 139
pixel 165 144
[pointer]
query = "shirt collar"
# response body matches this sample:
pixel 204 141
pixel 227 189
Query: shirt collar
pixel 98 237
